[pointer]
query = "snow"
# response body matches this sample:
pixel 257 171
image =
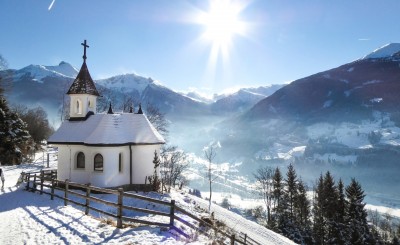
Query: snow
pixel 376 100
pixel 327 103
pixel 280 151
pixel 356 135
pixel 30 218
pixel 126 83
pixel 384 51
pixel 336 158
pixel 64 68
pixel 108 129
pixel 350 69
pixel 38 72
pixel 372 82
pixel 238 223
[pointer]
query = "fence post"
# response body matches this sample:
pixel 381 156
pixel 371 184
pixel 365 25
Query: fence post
pixel 28 176
pixel 87 203
pixel 119 212
pixel 172 213
pixel 34 182
pixel 233 239
pixel 66 192
pixel 41 181
pixel 245 238
pixel 52 189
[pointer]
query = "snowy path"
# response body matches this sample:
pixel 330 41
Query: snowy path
pixel 256 232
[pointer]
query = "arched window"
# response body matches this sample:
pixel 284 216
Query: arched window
pixel 98 162
pixel 80 160
pixel 78 107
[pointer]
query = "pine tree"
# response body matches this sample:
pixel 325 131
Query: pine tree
pixel 291 190
pixel 302 206
pixel 356 216
pixel 318 211
pixel 395 241
pixel 154 180
pixel 340 232
pixel 277 192
pixel 302 211
pixel 15 141
pixel 277 189
pixel 330 209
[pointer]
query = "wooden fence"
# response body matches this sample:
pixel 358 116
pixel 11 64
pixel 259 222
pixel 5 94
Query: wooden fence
pixel 35 181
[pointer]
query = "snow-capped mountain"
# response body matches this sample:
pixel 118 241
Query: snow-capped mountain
pixel 346 119
pixel 351 91
pixel 240 101
pixel 39 85
pixel 127 83
pixel 385 51
pixel 39 72
pixel 194 95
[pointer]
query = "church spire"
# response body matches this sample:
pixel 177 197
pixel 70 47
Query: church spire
pixel 83 92
pixel 83 83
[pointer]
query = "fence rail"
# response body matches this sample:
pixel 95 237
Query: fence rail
pixel 35 181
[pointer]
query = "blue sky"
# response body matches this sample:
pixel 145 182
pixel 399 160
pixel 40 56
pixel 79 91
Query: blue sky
pixel 282 41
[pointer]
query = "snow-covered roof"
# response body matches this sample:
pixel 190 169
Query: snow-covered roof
pixel 83 83
pixel 108 129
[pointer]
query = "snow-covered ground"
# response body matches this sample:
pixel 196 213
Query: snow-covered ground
pixel 30 218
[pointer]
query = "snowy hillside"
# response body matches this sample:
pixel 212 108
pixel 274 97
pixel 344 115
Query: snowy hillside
pixel 30 218
pixel 384 51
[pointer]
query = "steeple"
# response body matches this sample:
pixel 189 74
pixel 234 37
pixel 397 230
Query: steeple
pixel 83 83
pixel 83 92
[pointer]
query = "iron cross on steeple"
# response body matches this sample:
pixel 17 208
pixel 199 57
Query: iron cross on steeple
pixel 84 50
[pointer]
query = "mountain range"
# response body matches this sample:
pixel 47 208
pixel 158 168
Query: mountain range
pixel 346 119
pixel 38 85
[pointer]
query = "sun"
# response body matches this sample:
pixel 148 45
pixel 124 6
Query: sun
pixel 222 22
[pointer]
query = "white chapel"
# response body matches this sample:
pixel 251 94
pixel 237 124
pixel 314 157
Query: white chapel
pixel 103 149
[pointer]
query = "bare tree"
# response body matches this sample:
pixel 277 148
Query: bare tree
pixel 128 102
pixel 107 96
pixel 157 118
pixel 5 84
pixel 174 163
pixel 264 187
pixel 210 152
pixel 3 63
pixel 37 123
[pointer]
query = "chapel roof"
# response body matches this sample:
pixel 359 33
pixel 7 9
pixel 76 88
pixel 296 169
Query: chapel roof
pixel 83 83
pixel 108 130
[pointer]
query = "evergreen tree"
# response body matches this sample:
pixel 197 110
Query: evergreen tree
pixel 302 206
pixel 340 234
pixel 330 203
pixel 277 186
pixel 277 193
pixel 154 180
pixel 356 216
pixel 15 141
pixel 395 241
pixel 318 211
pixel 291 190
pixel 302 211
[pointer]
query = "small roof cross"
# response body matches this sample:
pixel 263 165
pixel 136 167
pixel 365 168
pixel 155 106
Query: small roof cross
pixel 84 50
